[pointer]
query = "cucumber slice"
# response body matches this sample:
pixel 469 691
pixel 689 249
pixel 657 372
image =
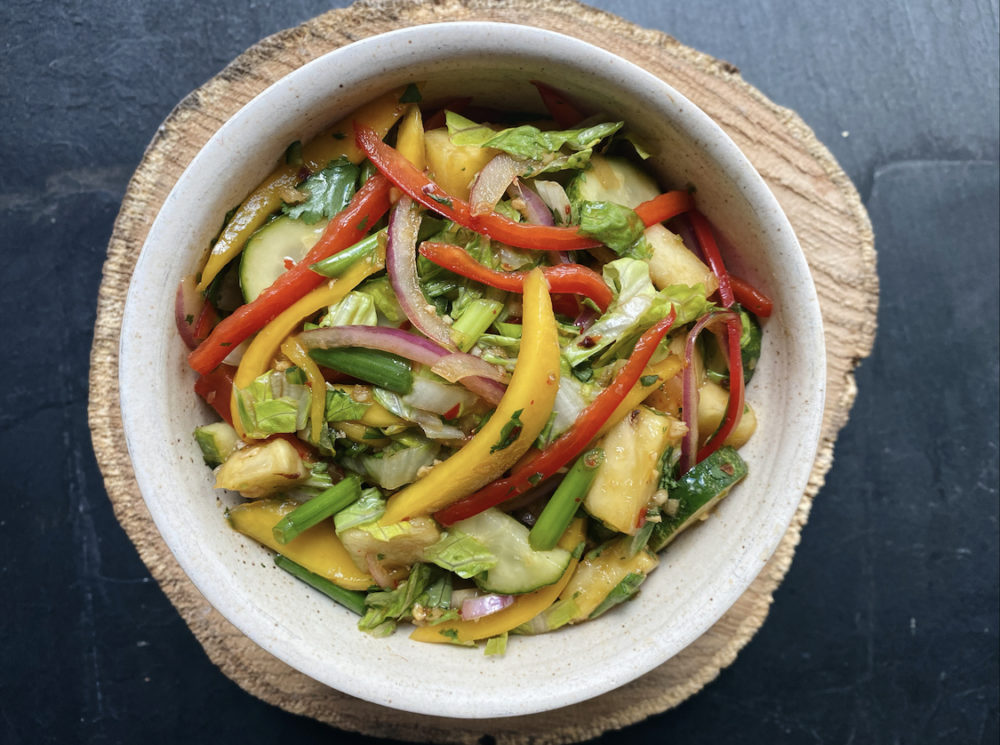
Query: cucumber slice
pixel 697 492
pixel 272 250
pixel 519 568
pixel 607 576
pixel 611 179
pixel 217 442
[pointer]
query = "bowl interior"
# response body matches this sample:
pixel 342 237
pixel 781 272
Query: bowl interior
pixel 701 574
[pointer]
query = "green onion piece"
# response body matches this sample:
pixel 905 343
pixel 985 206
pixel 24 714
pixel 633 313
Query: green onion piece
pixel 353 601
pixel 562 506
pixel 374 366
pixel 317 509
pixel 341 261
pixel 473 323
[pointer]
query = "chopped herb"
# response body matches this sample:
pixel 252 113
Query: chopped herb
pixel 450 633
pixel 225 344
pixel 325 193
pixel 648 380
pixel 411 94
pixel 339 135
pixel 535 478
pixel 363 224
pixel 189 319
pixel 440 200
pixel 509 432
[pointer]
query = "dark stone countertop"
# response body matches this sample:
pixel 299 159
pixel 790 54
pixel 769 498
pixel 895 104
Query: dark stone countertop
pixel 886 628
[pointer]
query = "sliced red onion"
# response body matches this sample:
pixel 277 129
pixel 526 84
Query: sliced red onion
pixel 188 307
pixel 403 343
pixel 535 211
pixel 459 365
pixel 491 183
pixel 554 197
pixel 378 573
pixel 484 605
pixel 401 265
pixel 689 397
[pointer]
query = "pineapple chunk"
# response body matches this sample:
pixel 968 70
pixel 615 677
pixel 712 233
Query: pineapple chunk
pixel 630 473
pixel 712 402
pixel 454 166
pixel 601 572
pixel 673 263
pixel 262 470
pixel 392 546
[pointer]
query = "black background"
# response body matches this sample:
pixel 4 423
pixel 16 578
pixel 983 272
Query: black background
pixel 886 628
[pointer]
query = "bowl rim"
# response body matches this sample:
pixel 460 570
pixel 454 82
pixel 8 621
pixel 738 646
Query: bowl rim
pixel 230 607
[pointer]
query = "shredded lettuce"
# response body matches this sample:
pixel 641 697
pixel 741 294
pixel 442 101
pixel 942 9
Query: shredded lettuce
pixel 387 306
pixel 340 407
pixel 356 309
pixel 430 423
pixel 384 609
pixel 496 645
pixel 546 148
pixel 617 227
pixel 397 465
pixel 369 508
pixel 272 404
pixel 460 553
pixel 637 305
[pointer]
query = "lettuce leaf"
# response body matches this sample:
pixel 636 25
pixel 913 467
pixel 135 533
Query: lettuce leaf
pixel 617 227
pixel 545 150
pixel 460 553
pixel 272 404
pixel 369 508
pixel 356 309
pixel 637 305
pixel 340 407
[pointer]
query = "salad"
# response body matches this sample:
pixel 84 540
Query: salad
pixel 460 363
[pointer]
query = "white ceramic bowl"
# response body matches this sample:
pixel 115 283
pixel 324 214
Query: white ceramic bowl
pixel 701 575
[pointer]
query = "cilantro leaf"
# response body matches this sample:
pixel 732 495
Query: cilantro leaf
pixel 509 432
pixel 329 191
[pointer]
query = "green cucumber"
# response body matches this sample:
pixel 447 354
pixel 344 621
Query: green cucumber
pixel 217 442
pixel 272 250
pixel 697 492
pixel 519 568
pixel 611 179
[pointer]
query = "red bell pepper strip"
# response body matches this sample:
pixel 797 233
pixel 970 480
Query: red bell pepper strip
pixel 421 189
pixel 344 230
pixel 565 114
pixel 668 205
pixel 750 297
pixel 418 187
pixel 562 278
pixel 569 444
pixel 710 250
pixel 216 388
pixel 734 408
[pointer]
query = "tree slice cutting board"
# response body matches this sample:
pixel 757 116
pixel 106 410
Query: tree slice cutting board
pixel 817 196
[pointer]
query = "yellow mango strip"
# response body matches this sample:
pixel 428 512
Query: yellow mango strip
pixel 663 370
pixel 317 383
pixel 410 138
pixel 279 187
pixel 318 549
pixel 264 347
pixel 529 400
pixel 523 609
pixel 338 141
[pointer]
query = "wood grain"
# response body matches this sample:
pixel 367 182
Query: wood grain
pixel 817 196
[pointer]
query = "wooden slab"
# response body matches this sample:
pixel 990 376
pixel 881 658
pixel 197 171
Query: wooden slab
pixel 821 204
